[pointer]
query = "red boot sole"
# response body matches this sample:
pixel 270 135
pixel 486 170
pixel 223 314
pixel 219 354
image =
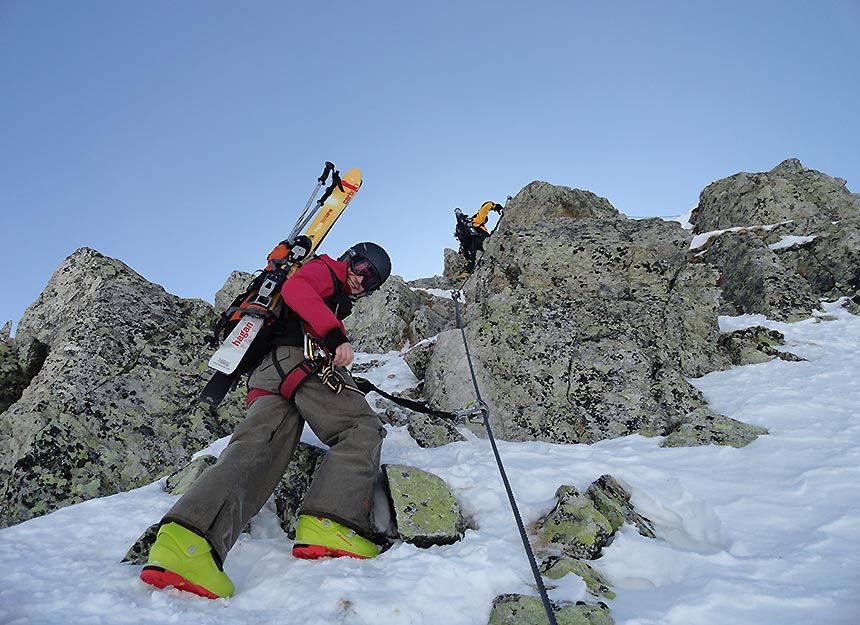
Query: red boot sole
pixel 162 578
pixel 314 552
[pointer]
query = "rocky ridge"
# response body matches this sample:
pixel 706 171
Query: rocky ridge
pixel 582 325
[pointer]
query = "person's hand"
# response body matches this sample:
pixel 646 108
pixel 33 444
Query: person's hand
pixel 344 355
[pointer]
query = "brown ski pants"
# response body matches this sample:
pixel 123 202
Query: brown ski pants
pixel 225 497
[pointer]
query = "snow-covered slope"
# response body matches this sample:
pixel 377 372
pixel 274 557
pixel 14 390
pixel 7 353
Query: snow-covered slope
pixel 765 534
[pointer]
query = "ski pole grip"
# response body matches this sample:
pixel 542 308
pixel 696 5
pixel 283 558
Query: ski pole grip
pixel 335 182
pixel 328 167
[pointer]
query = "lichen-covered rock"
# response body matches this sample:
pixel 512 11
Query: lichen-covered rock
pixel 613 501
pixel 829 260
pixel 754 279
pixel 15 375
pixel 397 316
pixel 236 283
pixel 529 610
pixel 575 526
pixel 579 526
pixel 112 405
pixel 433 316
pixel 426 512
pixel 291 490
pixel 454 264
pixel 180 481
pixel 754 345
pixel 557 566
pixel 788 192
pixel 138 553
pixel 541 201
pixel 418 357
pixel 703 427
pixel 782 239
pixel 380 322
pixel 429 431
pixel 581 329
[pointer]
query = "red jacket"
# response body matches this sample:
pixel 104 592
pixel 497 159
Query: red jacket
pixel 305 292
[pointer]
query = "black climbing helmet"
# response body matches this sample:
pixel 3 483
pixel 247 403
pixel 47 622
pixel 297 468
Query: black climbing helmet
pixel 368 260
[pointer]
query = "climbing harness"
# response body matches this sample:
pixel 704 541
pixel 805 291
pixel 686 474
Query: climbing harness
pixel 484 410
pixel 319 360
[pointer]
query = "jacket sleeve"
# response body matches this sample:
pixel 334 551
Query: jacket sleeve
pixel 482 215
pixel 304 293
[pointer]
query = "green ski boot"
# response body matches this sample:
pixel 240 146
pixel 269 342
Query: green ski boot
pixel 184 560
pixel 317 537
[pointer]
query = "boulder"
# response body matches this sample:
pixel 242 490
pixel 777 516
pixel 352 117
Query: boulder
pixel 574 526
pixel 703 427
pixel 236 283
pixel 397 316
pixel 755 345
pixel 788 192
pixel 755 280
pixel 612 500
pixel 453 266
pixel 18 370
pixel 113 364
pixel 581 329
pixel 138 553
pixel 541 201
pixel 425 511
pixel 781 240
pixel 516 609
pixel 558 566
pixel 828 259
pixel 418 357
pixel 580 525
pixel 429 431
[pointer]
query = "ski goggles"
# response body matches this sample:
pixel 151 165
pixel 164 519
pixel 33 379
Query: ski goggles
pixel 364 268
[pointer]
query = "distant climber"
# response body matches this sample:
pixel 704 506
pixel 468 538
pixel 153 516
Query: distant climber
pixel 471 233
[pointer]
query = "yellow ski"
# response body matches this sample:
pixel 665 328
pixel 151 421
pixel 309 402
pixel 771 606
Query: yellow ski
pixel 285 259
pixel 333 206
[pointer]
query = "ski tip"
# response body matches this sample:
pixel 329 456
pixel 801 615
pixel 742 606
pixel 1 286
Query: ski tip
pixel 353 177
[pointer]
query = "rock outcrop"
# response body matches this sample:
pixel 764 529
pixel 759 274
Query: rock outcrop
pixel 112 364
pixel 582 325
pixel 781 240
pixel 583 328
pixel 397 316
pixel 788 192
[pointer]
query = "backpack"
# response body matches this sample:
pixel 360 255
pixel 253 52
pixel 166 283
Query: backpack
pixel 262 297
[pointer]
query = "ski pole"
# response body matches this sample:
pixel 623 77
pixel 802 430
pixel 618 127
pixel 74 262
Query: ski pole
pixel 299 223
pixel 335 182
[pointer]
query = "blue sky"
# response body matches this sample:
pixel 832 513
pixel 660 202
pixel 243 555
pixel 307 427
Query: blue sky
pixel 184 137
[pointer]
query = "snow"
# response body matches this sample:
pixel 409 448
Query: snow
pixel 769 533
pixel 443 293
pixel 684 220
pixel 701 240
pixel 790 241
